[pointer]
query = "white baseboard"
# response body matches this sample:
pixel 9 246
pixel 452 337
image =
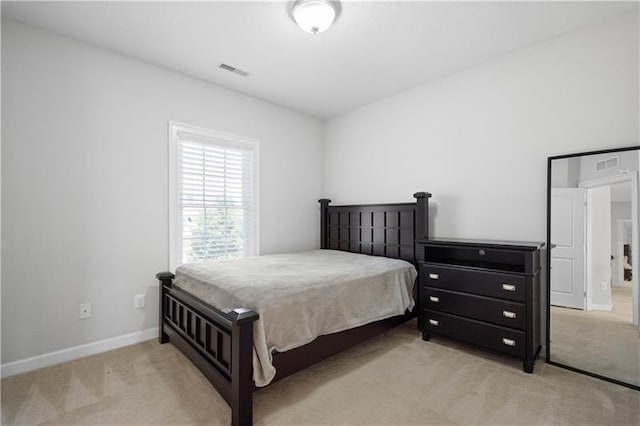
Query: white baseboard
pixel 64 355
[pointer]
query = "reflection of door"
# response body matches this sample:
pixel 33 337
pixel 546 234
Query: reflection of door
pixel 568 247
pixel 632 177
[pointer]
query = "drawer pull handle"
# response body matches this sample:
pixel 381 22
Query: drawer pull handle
pixel 508 314
pixel 434 299
pixel 508 342
pixel 434 276
pixel 509 287
pixel 434 322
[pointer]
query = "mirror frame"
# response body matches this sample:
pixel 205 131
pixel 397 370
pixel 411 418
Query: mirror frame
pixel 548 267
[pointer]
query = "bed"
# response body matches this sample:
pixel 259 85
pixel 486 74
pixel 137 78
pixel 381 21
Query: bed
pixel 219 338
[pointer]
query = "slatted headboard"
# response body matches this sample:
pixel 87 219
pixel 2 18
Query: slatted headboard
pixel 388 230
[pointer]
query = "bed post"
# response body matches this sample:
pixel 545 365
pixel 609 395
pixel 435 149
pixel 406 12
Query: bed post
pixel 324 219
pixel 421 233
pixel 166 279
pixel 422 219
pixel 242 366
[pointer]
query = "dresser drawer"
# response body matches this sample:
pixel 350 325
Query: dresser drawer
pixel 490 336
pixel 484 283
pixel 496 311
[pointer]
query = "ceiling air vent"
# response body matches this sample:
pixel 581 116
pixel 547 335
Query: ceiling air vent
pixel 608 163
pixel 234 70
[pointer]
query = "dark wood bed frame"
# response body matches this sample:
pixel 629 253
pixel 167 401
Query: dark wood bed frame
pixel 221 344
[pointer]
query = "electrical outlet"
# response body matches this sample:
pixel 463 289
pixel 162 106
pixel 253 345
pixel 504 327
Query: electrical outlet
pixel 85 310
pixel 604 285
pixel 138 301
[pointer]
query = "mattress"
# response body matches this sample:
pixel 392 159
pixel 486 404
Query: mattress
pixel 301 296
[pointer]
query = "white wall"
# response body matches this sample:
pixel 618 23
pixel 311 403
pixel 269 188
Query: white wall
pixel 565 172
pixel 627 160
pixel 84 155
pixel 84 184
pixel 560 173
pixel 479 140
pixel 599 248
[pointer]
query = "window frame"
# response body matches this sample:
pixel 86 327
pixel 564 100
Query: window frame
pixel 218 139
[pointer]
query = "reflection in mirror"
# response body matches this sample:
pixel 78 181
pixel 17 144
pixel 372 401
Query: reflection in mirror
pixel 593 279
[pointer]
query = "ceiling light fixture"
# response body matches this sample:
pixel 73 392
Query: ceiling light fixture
pixel 314 16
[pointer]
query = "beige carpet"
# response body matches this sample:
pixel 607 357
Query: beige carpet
pixel 393 379
pixel 602 342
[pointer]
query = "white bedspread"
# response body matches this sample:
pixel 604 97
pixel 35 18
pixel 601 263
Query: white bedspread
pixel 301 296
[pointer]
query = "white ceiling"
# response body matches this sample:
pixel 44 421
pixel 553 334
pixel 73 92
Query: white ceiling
pixel 374 49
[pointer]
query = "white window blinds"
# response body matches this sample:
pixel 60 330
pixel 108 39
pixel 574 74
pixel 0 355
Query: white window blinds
pixel 215 196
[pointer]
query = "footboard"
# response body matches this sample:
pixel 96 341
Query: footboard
pixel 220 344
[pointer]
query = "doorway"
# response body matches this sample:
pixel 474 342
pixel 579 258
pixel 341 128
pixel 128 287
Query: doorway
pixel 612 205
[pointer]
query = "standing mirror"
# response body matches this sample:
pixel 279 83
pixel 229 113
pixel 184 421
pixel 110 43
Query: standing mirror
pixel 593 279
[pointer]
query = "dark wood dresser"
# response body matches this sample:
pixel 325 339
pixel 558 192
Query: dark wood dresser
pixel 483 292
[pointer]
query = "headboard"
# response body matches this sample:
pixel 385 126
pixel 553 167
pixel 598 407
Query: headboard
pixel 388 230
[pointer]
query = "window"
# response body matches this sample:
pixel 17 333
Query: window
pixel 212 195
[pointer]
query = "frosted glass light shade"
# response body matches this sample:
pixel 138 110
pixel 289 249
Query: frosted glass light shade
pixel 314 16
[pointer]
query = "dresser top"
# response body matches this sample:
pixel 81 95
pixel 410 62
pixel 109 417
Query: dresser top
pixel 497 244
